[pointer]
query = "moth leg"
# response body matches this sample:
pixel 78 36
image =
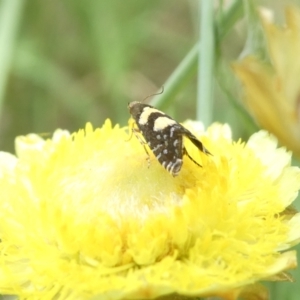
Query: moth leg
pixel 131 131
pixel 136 132
pixel 186 153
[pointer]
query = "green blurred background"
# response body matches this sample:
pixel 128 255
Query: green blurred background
pixel 68 62
pixel 64 63
pixel 76 61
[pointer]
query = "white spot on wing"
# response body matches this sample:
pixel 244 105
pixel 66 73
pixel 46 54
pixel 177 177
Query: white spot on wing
pixel 147 111
pixel 175 168
pixel 163 122
pixel 157 147
pixel 172 131
pixel 169 166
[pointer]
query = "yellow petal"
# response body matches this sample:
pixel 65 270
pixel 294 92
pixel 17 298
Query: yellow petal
pixel 84 216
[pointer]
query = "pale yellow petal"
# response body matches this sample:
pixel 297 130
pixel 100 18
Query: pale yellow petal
pixel 90 206
pixel 271 90
pixel 7 162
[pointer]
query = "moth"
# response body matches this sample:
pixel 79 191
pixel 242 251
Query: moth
pixel 163 135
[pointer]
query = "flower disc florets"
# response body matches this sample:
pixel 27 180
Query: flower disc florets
pixel 84 217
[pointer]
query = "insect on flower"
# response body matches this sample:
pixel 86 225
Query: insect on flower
pixel 163 135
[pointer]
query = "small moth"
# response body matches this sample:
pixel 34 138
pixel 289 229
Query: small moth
pixel 163 135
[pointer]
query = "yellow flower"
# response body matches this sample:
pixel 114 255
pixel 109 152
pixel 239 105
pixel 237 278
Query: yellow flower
pixel 84 217
pixel 272 92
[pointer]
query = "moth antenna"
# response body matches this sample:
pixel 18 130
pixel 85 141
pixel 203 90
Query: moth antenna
pixel 158 93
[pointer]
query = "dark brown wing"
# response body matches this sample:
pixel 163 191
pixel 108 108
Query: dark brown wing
pixel 166 145
pixel 164 136
pixel 194 140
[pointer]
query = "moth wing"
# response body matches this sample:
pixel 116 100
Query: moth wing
pixel 194 140
pixel 167 146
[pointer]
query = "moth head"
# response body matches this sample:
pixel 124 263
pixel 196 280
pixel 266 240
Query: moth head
pixel 135 108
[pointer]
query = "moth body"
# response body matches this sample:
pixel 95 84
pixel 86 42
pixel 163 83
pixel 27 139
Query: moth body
pixel 163 135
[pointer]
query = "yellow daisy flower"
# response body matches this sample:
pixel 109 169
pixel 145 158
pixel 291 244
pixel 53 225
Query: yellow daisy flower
pixel 272 92
pixel 84 217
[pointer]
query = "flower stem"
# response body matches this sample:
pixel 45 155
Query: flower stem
pixel 184 71
pixel 206 63
pixel 188 66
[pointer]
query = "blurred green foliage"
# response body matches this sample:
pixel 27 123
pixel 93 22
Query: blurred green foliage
pixel 77 61
pixel 64 63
